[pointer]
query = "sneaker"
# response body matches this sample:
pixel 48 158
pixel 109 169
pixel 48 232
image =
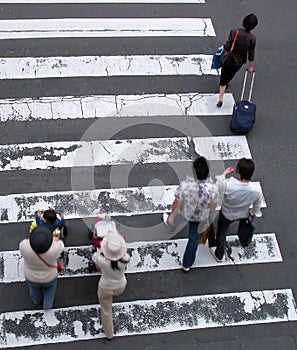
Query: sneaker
pixel 213 253
pixel 165 218
pixel 186 269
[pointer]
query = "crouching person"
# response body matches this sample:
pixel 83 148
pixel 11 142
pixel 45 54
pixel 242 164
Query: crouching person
pixel 111 260
pixel 41 252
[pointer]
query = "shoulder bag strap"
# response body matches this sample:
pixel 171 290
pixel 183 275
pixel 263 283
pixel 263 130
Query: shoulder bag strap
pixel 41 258
pixel 234 41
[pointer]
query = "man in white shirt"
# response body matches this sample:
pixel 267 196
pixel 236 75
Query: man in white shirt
pixel 237 195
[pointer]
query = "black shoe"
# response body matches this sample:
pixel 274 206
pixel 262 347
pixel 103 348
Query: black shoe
pixel 220 104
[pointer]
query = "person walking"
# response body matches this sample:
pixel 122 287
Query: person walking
pixel 41 252
pixel 111 259
pixel 195 200
pixel 238 195
pixel 244 48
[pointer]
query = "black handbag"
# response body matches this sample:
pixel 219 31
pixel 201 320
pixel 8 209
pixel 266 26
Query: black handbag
pixel 227 57
pixel 245 231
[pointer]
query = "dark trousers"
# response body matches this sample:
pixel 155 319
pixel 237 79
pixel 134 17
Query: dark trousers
pixel 220 240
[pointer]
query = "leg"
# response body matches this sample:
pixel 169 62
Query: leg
pixel 105 300
pixel 49 290
pixel 221 95
pixel 223 225
pixel 191 248
pixel 35 291
pixel 212 240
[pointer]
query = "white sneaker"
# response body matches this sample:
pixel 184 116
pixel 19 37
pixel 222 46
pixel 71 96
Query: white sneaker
pixel 213 253
pixel 165 218
pixel 186 269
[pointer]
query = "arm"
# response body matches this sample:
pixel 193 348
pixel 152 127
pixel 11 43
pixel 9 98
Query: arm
pixel 251 55
pixel 256 208
pixel 175 211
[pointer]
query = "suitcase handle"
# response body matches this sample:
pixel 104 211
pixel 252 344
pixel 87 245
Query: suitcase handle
pixel 251 86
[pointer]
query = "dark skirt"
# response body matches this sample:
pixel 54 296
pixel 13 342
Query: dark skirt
pixel 227 73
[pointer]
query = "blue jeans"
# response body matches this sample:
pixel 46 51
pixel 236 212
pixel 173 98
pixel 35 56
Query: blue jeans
pixel 192 245
pixel 45 291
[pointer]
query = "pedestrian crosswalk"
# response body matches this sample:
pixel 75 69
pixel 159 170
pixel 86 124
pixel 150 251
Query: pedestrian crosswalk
pixel 155 254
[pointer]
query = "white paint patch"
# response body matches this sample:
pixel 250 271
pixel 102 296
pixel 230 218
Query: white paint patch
pixel 71 107
pixel 102 1
pixel 91 203
pixel 105 27
pixel 152 256
pixel 174 314
pixel 105 66
pixel 222 147
pixel 93 153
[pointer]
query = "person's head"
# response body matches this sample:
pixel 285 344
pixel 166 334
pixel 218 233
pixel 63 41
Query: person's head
pixel 41 239
pixel 201 168
pixel 250 21
pixel 50 216
pixel 113 247
pixel 245 168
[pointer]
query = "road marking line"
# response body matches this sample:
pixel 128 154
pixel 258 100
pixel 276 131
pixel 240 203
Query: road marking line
pixel 105 27
pixel 148 317
pixel 222 147
pixel 151 256
pixel 50 155
pixel 73 107
pixel 105 66
pixel 91 203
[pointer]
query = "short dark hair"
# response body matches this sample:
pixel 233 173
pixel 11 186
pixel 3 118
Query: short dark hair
pixel 50 215
pixel 245 168
pixel 201 168
pixel 250 21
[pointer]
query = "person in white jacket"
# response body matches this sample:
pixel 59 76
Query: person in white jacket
pixel 237 195
pixel 111 260
pixel 41 252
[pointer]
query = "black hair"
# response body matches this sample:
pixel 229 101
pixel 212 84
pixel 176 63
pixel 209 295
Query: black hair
pixel 250 21
pixel 245 168
pixel 50 216
pixel 201 168
pixel 114 265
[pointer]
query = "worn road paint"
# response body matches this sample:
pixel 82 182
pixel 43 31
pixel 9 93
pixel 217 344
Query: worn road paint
pixel 91 203
pixel 28 328
pixel 222 147
pixel 74 107
pixel 152 256
pixel 105 66
pixel 93 153
pixel 118 152
pixel 105 27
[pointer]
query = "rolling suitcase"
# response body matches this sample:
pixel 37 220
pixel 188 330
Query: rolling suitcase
pixel 244 111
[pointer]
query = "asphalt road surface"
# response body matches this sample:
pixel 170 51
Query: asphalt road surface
pixel 103 106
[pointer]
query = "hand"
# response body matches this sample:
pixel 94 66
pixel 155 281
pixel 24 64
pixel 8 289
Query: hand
pixel 39 213
pixel 250 69
pixel 62 216
pixel 228 171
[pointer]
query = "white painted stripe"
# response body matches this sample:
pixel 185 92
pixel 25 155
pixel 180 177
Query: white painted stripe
pixel 102 1
pixel 104 66
pixel 91 203
pixel 118 152
pixel 28 328
pixel 93 153
pixel 105 27
pixel 152 256
pixel 222 147
pixel 71 107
